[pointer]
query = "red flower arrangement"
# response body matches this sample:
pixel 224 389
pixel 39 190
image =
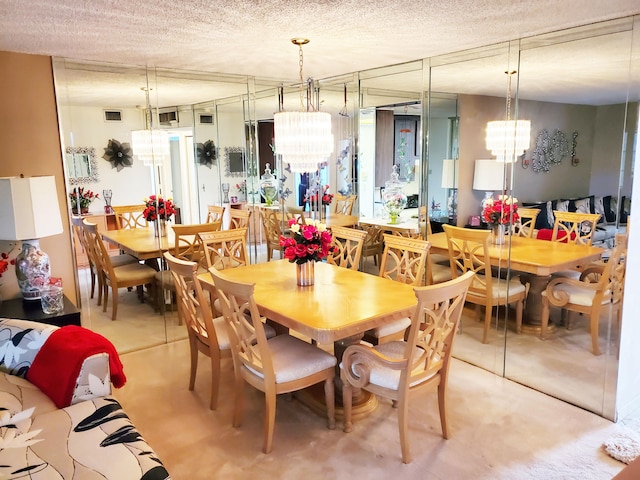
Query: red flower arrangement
pixel 326 197
pixel 81 199
pixel 307 243
pixel 5 261
pixel 503 211
pixel 158 208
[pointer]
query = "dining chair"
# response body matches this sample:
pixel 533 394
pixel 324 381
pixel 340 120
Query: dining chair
pixel 225 248
pixel 599 288
pixel 206 334
pixel 276 365
pixel 574 227
pixel 239 218
pixel 347 247
pixel 215 213
pixel 526 224
pixel 394 370
pixel 343 204
pixel 187 247
pixel 117 276
pixel 468 249
pixel 130 216
pixel 372 245
pixel 76 226
pixel 272 221
pixel 403 260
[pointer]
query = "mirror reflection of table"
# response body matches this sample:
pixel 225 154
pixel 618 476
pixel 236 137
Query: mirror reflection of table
pixel 338 308
pixel 140 242
pixel 538 259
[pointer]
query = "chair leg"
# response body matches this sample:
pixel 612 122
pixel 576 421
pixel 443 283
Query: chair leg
pixel 544 321
pixel 193 351
pixel 215 380
pixel 487 323
pixel 442 406
pixel 519 308
pixel 330 399
pixel 105 298
pixel 403 421
pixel 238 409
pixel 100 287
pixel 269 419
pixel 347 399
pixel 594 323
pixel 93 281
pixel 114 304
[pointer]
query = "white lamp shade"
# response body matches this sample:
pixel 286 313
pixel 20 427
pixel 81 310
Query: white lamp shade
pixel 29 208
pixel 508 139
pixel 303 139
pixel 449 173
pixel 488 175
pixel 151 146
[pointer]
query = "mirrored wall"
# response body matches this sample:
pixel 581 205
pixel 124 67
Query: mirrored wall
pixel 428 118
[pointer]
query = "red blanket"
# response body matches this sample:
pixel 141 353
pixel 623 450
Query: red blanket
pixel 57 365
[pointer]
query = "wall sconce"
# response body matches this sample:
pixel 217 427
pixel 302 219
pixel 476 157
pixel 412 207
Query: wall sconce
pixel 508 139
pixel 450 182
pixel 28 212
pixel 489 177
pixel 303 139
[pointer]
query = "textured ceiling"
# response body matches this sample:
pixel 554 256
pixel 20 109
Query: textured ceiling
pixel 253 37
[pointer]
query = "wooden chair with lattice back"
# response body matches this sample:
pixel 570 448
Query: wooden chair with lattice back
pixel 372 245
pixel 186 247
pixel 116 276
pixel 276 365
pixel 206 334
pixel 239 218
pixel 599 289
pixel 76 226
pixel 394 370
pixel 130 216
pixel 215 213
pixel 343 204
pixel 347 247
pixel 526 224
pixel 272 221
pixel 468 249
pixel 403 260
pixel 574 227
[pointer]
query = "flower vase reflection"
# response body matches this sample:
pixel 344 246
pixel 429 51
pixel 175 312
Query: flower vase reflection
pixel 268 186
pixel 393 198
pixel 225 190
pixel 107 195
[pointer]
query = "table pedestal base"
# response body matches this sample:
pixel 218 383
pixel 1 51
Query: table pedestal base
pixel 313 397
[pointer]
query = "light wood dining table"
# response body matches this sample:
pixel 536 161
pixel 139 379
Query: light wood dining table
pixel 140 242
pixel 340 306
pixel 410 226
pixel 536 260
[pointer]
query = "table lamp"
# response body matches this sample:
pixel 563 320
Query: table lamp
pixel 489 177
pixel 28 212
pixel 450 182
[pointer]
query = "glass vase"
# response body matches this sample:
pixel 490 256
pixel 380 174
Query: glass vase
pixel 498 234
pixel 305 273
pixel 160 228
pixel 393 198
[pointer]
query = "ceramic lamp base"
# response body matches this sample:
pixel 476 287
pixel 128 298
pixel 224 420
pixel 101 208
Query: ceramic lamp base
pixel 33 270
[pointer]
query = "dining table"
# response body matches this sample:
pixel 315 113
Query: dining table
pixel 404 227
pixel 142 243
pixel 338 308
pixel 535 260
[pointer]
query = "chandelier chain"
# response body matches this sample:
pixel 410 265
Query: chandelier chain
pixel 300 62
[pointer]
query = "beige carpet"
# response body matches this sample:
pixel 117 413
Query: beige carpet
pixel 500 430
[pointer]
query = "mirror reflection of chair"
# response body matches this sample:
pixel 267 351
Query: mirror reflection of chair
pixel 117 276
pixel 280 364
pixel 130 216
pixel 207 335
pixel 225 248
pixel 186 247
pixel 372 245
pixel 347 243
pixel 394 370
pixel 343 204
pixel 403 260
pixel 239 218
pixel 574 227
pixel 599 289
pixel 296 213
pixel 76 225
pixel 527 222
pixel 467 250
pixel 272 221
pixel 215 213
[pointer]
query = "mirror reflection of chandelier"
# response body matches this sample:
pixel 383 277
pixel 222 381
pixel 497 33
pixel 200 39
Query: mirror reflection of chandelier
pixel 150 146
pixel 303 138
pixel 508 139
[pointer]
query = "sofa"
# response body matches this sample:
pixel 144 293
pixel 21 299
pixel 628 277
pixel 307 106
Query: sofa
pixel 57 418
pixel 607 206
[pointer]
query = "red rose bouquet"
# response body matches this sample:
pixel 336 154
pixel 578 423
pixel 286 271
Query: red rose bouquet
pixel 503 211
pixel 158 208
pixel 307 243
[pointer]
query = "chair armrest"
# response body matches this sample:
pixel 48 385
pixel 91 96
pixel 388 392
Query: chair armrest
pixel 357 360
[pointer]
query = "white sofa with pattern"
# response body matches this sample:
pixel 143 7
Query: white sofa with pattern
pixel 92 438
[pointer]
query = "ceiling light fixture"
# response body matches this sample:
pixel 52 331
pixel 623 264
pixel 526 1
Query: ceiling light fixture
pixel 149 145
pixel 508 139
pixel 303 139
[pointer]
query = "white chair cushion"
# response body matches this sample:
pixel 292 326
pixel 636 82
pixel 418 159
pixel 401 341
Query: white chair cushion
pixel 440 273
pixel 580 296
pixel 500 287
pixel 392 327
pixel 294 359
pixel 388 378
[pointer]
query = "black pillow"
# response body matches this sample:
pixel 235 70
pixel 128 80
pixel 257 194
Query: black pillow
pixel 609 213
pixel 542 220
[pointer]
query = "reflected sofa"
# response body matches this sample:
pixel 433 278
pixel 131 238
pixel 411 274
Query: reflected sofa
pixel 91 437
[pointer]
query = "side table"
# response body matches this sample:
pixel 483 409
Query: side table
pixel 32 310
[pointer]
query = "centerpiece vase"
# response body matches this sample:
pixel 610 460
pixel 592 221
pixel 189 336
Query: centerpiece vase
pixel 498 234
pixel 160 228
pixel 305 273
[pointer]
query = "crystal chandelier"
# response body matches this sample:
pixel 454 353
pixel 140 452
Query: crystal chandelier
pixel 303 139
pixel 150 145
pixel 508 139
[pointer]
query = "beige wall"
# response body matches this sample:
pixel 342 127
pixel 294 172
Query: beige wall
pixel 30 142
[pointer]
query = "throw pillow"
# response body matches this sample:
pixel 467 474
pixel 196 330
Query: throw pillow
pixel 598 207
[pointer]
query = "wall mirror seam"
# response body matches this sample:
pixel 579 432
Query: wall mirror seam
pixel 428 119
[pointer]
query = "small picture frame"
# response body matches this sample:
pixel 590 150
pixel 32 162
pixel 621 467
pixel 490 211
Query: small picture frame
pixel 474 220
pixel 234 199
